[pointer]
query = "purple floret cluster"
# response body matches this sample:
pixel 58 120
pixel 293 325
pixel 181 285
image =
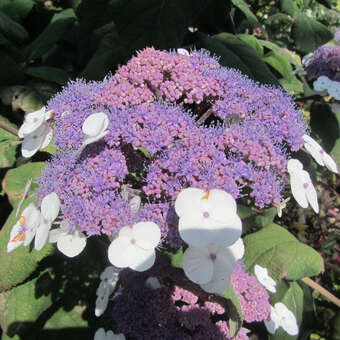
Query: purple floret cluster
pixel 325 62
pixel 179 309
pixel 158 142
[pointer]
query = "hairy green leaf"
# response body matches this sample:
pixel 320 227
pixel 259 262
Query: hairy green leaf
pixel 48 73
pixel 11 29
pixel 279 63
pixel 275 248
pixel 16 9
pixel 244 7
pixel 253 42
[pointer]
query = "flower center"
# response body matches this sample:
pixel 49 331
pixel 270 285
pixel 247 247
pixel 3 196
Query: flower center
pixel 45 220
pixel 305 185
pixel 22 220
pixel 212 256
pixel 206 214
pixel 133 241
pixel 322 151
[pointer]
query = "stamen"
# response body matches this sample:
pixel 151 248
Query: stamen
pixel 22 220
pixel 206 196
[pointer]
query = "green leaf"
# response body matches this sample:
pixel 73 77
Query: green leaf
pixel 292 298
pixel 11 29
pixel 53 33
pixel 293 86
pixel 15 180
pixel 324 124
pixel 336 326
pixel 244 7
pixel 234 310
pixel 16 266
pixel 8 145
pixel 275 248
pixel 279 63
pixel 26 99
pixel 289 7
pixel 235 53
pixel 10 72
pixel 20 306
pixel 161 24
pixel 176 258
pixel 309 34
pixel 266 218
pixel 16 9
pixel 253 42
pixel 48 73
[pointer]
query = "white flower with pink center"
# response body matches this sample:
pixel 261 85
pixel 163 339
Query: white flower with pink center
pixel 135 247
pixel 207 217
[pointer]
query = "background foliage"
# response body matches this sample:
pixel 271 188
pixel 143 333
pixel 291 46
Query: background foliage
pixel 44 44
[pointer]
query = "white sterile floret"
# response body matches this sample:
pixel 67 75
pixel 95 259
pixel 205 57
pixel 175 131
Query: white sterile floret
pixel 302 186
pixel 322 83
pixel 24 230
pixel 281 206
pixel 37 140
pixel 70 243
pixel 152 282
pixel 135 247
pixel 109 335
pixel 281 316
pixel 334 89
pixel 319 154
pixel 110 274
pixel 94 127
pixel 183 51
pixel 335 107
pixel 33 121
pixel 207 217
pixel 211 266
pixel 265 280
pixel 50 207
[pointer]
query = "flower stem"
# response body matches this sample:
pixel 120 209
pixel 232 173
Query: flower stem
pixel 321 290
pixel 8 128
pixel 204 117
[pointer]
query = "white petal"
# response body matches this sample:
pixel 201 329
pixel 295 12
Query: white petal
pixel 287 319
pixel 223 205
pixel 49 114
pixel 104 288
pixel 188 201
pixel 32 122
pixel 54 235
pixel 100 334
pixel 223 268
pixel 334 90
pixel 32 142
pixel 33 218
pixel 294 165
pixel 41 235
pixel 120 336
pixel 101 305
pixel 95 124
pixel 16 239
pixel 271 326
pixel 135 203
pixel 298 191
pixel 197 264
pixel 183 51
pixel 139 259
pixel 310 192
pixel 89 140
pixel 237 249
pixel 71 245
pixel 50 206
pixel 146 234
pixel 116 252
pixel 263 277
pixel 330 163
pixel 321 83
pixel 47 137
pixel 152 283
pixel 110 273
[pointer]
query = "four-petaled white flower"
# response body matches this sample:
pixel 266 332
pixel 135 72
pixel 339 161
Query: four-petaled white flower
pixel 50 206
pixel 207 217
pixel 135 247
pixel 281 316
pixel 35 131
pixel 70 243
pixel 109 335
pixel 211 266
pixel 319 154
pixel 322 83
pixel 183 51
pixel 94 127
pixel 302 186
pixel 109 278
pixel 265 280
pixel 24 230
pixel 334 89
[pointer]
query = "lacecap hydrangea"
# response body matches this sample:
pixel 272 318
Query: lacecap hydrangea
pixel 175 121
